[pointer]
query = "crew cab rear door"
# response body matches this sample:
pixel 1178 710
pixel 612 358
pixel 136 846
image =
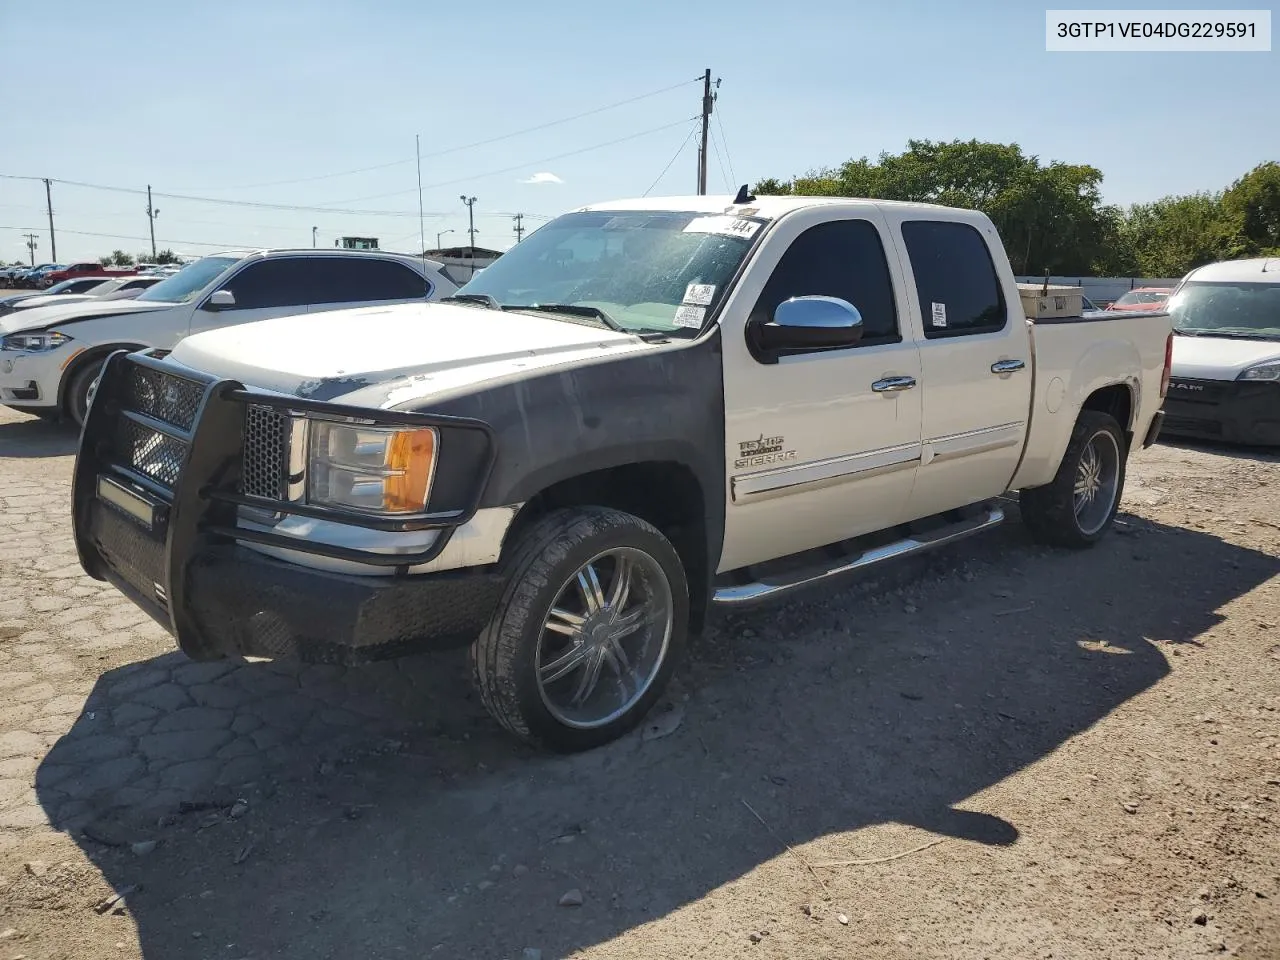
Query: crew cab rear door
pixel 822 445
pixel 975 357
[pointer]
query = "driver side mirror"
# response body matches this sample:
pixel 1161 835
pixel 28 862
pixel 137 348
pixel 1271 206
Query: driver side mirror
pixel 221 300
pixel 807 323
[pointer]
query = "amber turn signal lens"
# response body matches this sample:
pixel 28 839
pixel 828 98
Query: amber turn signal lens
pixel 411 462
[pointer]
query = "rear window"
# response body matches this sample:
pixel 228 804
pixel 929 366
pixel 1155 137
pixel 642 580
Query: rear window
pixel 956 280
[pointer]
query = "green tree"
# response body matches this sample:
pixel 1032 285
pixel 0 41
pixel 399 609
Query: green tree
pixel 1254 202
pixel 1050 217
pixel 1175 234
pixel 120 259
pixel 166 256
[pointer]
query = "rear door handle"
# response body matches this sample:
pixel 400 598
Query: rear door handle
pixel 893 384
pixel 1007 366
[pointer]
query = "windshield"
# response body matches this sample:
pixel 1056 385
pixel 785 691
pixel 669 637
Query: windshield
pixel 66 286
pixel 1136 297
pixel 189 281
pixel 651 270
pixel 1228 309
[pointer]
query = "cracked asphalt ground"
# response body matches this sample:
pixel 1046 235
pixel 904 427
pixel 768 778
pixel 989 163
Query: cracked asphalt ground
pixel 1000 751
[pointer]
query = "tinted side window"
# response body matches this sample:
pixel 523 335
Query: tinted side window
pixel 272 283
pixel 956 281
pixel 355 280
pixel 841 258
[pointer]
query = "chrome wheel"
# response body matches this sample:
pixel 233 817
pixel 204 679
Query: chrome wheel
pixel 605 638
pixel 1097 482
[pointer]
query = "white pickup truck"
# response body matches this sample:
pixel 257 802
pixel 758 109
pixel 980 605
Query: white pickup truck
pixel 647 409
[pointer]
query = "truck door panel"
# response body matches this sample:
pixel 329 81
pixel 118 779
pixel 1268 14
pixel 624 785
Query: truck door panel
pixel 815 452
pixel 975 360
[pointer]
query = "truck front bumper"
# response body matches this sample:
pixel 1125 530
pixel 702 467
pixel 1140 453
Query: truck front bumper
pixel 1236 411
pixel 240 603
pixel 155 510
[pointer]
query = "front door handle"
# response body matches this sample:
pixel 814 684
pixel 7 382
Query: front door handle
pixel 893 384
pixel 1007 366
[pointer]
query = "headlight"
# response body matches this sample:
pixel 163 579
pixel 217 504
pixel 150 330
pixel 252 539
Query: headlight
pixel 372 469
pixel 1263 371
pixel 34 342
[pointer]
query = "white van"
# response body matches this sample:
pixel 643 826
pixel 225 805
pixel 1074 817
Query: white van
pixel 1226 356
pixel 49 356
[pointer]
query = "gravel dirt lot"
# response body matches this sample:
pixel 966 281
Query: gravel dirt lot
pixel 1000 751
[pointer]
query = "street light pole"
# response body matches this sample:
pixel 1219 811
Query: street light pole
pixel 441 234
pixel 313 237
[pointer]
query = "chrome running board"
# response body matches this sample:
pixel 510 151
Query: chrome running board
pixel 771 588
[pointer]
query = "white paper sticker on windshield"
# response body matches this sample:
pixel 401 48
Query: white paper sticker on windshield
pixel 724 226
pixel 699 294
pixel 687 316
pixel 939 314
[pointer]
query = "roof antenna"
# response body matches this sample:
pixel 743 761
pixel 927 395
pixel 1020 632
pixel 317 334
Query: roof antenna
pixel 744 194
pixel 1266 261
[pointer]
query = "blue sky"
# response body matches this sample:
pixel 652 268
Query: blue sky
pixel 226 99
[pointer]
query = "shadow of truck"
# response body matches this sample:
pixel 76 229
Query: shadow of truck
pixel 843 709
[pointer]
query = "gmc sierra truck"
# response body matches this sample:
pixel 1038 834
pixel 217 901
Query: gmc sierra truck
pixel 646 410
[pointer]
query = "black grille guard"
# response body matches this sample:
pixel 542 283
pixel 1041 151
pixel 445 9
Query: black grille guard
pixel 201 508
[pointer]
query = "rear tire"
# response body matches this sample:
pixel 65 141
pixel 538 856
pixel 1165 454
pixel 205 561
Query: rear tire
pixel 1078 506
pixel 587 633
pixel 77 399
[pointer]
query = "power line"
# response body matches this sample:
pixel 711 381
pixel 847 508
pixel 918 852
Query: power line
pixel 519 166
pixel 679 150
pixel 723 173
pixel 190 243
pixel 467 146
pixel 724 142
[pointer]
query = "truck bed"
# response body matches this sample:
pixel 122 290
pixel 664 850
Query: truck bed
pixel 1075 356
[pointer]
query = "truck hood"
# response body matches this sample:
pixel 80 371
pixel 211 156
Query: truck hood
pixel 1219 358
pixel 41 318
pixel 413 350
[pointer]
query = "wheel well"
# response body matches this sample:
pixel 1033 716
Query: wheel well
pixel 1116 400
pixel 90 355
pixel 666 494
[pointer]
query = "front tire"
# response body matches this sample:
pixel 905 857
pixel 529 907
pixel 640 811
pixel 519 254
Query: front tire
pixel 1078 506
pixel 588 631
pixel 77 399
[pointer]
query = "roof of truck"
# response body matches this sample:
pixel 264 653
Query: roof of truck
pixel 770 207
pixel 1256 270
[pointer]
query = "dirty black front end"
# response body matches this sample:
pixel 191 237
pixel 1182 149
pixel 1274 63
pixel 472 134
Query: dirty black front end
pixel 168 460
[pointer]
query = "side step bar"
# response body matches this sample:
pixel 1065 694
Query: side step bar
pixel 748 594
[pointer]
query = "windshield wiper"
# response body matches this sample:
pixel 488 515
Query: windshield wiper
pixel 573 310
pixel 1237 335
pixel 481 298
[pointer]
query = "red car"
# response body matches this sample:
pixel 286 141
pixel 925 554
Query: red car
pixel 85 268
pixel 1143 298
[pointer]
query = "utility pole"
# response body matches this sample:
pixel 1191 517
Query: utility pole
pixel 152 213
pixel 471 218
pixel 31 246
pixel 707 101
pixel 48 196
pixel 519 221
pixel 313 237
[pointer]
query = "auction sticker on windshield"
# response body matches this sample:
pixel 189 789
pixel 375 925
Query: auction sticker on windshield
pixel 723 226
pixel 687 316
pixel 699 294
